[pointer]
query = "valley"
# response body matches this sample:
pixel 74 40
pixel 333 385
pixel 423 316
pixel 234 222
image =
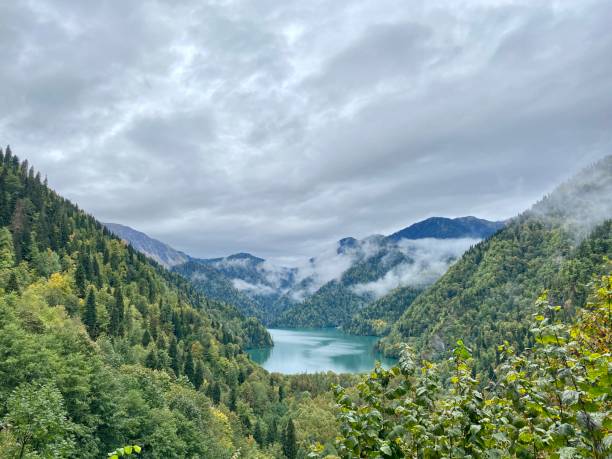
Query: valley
pixel 306 230
pixel 329 289
pixel 104 345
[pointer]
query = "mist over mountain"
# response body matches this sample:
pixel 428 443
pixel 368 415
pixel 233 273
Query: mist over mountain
pixel 559 245
pixel 350 271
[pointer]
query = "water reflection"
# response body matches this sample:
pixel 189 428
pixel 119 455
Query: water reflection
pixel 315 350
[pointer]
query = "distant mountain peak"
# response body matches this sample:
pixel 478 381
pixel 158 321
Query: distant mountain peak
pixel 347 243
pixel 152 248
pixel 449 228
pixel 245 256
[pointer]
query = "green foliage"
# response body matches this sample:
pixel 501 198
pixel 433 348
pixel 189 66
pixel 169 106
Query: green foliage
pixel 7 253
pixel 125 451
pixel 332 305
pixel 336 303
pixel 488 295
pixel 377 318
pixel 553 400
pixel 36 419
pixel 90 316
pixel 289 441
pixel 101 347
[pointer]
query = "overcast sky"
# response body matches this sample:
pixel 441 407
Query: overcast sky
pixel 275 126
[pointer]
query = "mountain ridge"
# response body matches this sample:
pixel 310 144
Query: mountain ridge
pixel 353 269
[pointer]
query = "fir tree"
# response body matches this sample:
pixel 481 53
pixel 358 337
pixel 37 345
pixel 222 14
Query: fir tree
pixel 160 342
pixel 232 399
pixel 116 325
pixel 97 273
pixel 272 433
pixel 90 316
pixel 146 338
pixel 216 393
pixel 258 434
pixel 198 377
pixel 289 441
pixel 173 353
pixel 189 369
pixel 13 284
pixel 79 280
pixel 281 393
pixel 151 359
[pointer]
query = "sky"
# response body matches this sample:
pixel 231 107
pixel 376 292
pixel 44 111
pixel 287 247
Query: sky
pixel 274 127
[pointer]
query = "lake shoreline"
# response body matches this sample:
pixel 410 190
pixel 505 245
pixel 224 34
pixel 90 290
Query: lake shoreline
pixel 319 350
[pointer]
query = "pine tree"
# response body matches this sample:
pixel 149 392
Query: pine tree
pixel 173 353
pixel 116 325
pixel 272 433
pixel 79 280
pixel 90 316
pixel 258 434
pixel 281 393
pixel 7 252
pixel 198 377
pixel 97 273
pixel 189 369
pixel 151 359
pixel 216 393
pixel 233 396
pixel 289 441
pixel 12 284
pixel 146 338
pixel 160 342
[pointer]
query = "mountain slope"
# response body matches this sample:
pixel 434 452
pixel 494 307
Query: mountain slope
pixel 101 347
pixel 488 294
pixel 152 248
pixel 378 317
pixel 378 266
pixel 215 285
pixel 332 286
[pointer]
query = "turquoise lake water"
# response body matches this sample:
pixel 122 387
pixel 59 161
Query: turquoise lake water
pixel 316 350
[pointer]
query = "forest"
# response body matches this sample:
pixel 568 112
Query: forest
pixel 101 348
pixel 105 352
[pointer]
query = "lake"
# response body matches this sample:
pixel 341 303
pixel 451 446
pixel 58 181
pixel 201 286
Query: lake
pixel 320 349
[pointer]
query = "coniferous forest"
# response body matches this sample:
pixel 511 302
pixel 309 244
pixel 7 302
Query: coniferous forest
pixel 101 348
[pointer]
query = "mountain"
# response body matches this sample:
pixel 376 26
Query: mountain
pixel 330 287
pixel 102 347
pixel 250 283
pixel 448 228
pixel 152 248
pixel 366 271
pixel 488 295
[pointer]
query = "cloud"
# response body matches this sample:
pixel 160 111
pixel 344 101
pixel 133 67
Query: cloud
pixel 275 127
pixel 255 289
pixel 430 259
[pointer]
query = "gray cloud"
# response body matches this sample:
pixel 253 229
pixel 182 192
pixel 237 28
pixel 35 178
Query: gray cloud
pixel 276 127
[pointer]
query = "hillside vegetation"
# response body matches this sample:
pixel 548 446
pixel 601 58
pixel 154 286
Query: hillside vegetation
pixel 101 347
pixel 551 400
pixel 488 295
